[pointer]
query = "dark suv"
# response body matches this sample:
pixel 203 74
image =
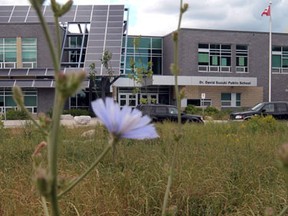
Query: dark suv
pixel 277 109
pixel 162 112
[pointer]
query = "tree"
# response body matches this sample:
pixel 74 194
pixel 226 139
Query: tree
pixel 140 72
pixel 105 81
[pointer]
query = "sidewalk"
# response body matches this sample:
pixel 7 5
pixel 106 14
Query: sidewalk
pixel 70 123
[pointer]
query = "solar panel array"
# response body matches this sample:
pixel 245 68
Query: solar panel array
pixel 106 28
pixel 33 83
pixel 26 13
pixel 33 77
pixel 34 72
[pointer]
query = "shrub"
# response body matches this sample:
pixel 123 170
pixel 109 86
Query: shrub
pixel 211 111
pixel 191 109
pixel 222 115
pixel 1 123
pixel 76 112
pixel 16 115
pixel 264 124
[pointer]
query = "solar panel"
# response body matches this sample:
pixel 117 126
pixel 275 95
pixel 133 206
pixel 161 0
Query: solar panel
pixel 4 19
pixel 24 83
pixel 17 19
pixel 6 83
pixel 84 7
pixel 36 72
pixel 32 19
pixel 21 7
pixel 72 70
pixel 50 72
pixel 4 72
pixel 18 72
pixel 43 83
pixel 6 8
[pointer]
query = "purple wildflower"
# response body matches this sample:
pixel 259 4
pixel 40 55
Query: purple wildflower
pixel 125 122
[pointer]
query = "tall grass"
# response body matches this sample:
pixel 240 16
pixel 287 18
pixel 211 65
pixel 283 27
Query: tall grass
pixel 221 169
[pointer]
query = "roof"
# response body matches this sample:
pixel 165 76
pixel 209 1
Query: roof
pixel 77 13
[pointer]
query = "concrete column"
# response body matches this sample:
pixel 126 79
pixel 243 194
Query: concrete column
pixel 19 52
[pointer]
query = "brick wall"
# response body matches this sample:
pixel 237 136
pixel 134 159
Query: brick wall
pixel 249 95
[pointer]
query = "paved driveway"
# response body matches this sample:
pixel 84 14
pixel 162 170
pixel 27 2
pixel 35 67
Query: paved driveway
pixel 21 123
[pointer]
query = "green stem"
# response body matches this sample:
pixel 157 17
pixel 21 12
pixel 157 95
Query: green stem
pixel 100 157
pixel 176 73
pixel 176 82
pixel 169 183
pixel 57 110
pixel 283 211
pixel 32 119
pixel 58 37
pixel 176 64
pixel 49 40
pixel 52 152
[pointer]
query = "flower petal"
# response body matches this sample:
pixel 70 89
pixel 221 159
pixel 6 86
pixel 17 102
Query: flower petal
pixel 147 132
pixel 100 111
pixel 125 122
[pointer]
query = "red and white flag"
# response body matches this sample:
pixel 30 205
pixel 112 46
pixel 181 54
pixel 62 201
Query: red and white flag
pixel 266 11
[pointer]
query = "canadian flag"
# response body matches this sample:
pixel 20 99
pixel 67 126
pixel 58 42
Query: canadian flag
pixel 266 11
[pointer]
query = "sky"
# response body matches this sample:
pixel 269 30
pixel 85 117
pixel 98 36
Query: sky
pixel 160 17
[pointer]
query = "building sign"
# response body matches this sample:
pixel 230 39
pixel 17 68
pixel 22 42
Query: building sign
pixel 225 81
pixel 203 95
pixel 205 81
pixel 190 81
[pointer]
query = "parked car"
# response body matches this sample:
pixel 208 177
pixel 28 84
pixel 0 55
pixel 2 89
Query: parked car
pixel 162 112
pixel 277 109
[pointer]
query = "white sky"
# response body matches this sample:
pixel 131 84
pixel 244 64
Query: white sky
pixel 160 17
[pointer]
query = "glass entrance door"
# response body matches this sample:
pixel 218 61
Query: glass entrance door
pixel 128 99
pixel 149 97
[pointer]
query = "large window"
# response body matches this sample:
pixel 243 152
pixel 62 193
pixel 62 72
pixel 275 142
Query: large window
pixel 280 59
pixel 230 99
pixel 241 58
pixel 29 52
pixel 8 52
pixel 80 100
pixel 200 102
pixel 214 58
pixel 143 53
pixel 7 102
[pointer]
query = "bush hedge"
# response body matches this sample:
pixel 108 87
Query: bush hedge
pixel 16 115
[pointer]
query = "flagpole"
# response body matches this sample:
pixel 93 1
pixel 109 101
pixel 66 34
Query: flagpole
pixel 270 53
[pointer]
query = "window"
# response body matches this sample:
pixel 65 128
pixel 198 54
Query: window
pixel 160 110
pixel 281 107
pixel 80 100
pixel 214 57
pixel 241 58
pixel 1 99
pixel 230 99
pixel 75 41
pixel 127 99
pixel 29 52
pixel 7 102
pixel 144 53
pixel 269 108
pixel 200 102
pixel 8 52
pixel 280 59
pixel 147 110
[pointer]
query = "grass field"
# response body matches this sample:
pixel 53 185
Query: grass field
pixel 220 169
